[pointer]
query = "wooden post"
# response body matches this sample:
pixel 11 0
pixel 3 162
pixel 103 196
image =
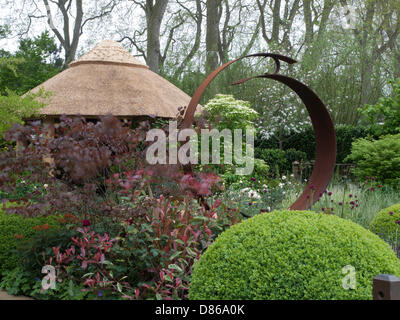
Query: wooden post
pixel 386 287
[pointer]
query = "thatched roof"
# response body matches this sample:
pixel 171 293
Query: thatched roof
pixel 109 80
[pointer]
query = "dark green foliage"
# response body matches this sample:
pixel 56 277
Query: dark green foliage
pixel 386 224
pixel 305 141
pixel 292 155
pixel 384 117
pixel 377 158
pixel 291 255
pixel 35 61
pixel 16 281
pixel 12 225
pixel 275 158
pixel 280 161
pixel 345 136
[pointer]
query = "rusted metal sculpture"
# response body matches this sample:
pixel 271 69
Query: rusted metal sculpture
pixel 320 118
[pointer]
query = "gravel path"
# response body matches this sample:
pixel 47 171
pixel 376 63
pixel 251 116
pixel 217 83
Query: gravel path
pixel 5 296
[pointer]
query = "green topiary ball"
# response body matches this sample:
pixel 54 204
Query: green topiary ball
pixel 292 255
pixel 386 224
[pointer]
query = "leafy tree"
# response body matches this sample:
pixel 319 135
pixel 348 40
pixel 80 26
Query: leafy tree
pixel 384 117
pixel 35 61
pixel 13 109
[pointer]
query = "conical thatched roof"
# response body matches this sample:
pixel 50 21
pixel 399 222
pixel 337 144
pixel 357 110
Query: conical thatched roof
pixel 109 80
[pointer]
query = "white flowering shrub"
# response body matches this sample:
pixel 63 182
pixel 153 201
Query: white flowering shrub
pixel 281 112
pixel 228 113
pixel 252 197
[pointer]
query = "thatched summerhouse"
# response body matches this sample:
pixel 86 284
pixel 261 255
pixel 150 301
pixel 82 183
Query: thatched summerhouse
pixel 109 80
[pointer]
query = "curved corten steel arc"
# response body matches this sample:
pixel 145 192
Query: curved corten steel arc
pixel 320 118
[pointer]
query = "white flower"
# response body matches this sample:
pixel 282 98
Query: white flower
pixel 254 195
pixel 283 177
pixel 281 185
pixel 45 186
pixel 251 193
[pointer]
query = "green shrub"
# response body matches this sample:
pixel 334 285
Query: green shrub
pixel 291 255
pixel 378 158
pixel 386 224
pixel 261 169
pixel 13 108
pixel 280 161
pixel 14 225
pixel 384 117
pixel 257 180
pixel 274 158
pixel 292 155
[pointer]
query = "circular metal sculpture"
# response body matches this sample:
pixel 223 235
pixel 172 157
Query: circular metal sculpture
pixel 320 118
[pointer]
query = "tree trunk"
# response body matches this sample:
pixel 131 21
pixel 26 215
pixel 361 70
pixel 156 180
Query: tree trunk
pixel 396 53
pixel 212 36
pixel 308 21
pixel 70 44
pixel 276 14
pixel 366 63
pixel 154 15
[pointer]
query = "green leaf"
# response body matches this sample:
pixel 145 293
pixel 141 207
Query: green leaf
pixel 175 267
pixel 119 287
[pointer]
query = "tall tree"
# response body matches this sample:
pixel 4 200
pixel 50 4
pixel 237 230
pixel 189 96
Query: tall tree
pixel 35 61
pixel 70 40
pixel 66 19
pixel 198 19
pixel 154 12
pixel 281 19
pixel 212 35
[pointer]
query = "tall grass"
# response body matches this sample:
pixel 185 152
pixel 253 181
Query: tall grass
pixel 357 202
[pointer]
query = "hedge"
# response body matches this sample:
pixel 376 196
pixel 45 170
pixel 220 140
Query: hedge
pixel 305 141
